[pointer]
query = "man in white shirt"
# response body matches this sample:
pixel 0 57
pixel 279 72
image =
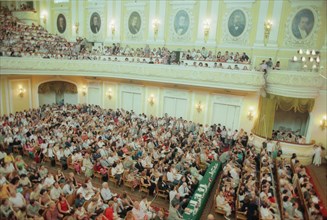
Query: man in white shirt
pixel 106 194
pixel 138 213
pixel 55 192
pixel 68 188
pixel 183 190
pixel 17 200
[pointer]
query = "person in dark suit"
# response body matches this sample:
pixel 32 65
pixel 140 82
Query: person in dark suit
pixel 300 31
pixel 139 165
pixel 182 25
pixel 236 27
pixel 95 23
pixel 134 23
pixel 61 24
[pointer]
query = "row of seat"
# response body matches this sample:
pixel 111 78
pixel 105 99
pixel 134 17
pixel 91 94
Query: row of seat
pixel 284 172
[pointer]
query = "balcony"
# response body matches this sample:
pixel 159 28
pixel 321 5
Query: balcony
pixel 27 17
pixel 243 80
pixel 279 82
pixel 297 84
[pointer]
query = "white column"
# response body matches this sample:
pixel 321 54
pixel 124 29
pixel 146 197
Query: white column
pixel 152 15
pixel 109 37
pixel 213 22
pixel 118 23
pixel 49 25
pixel 162 15
pixel 73 21
pixel 273 37
pixel 202 17
pixel 81 18
pixel 263 10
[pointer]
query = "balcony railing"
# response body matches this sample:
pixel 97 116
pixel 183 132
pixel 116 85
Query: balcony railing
pixel 244 80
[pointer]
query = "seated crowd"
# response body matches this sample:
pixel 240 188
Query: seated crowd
pixel 291 204
pixel 153 154
pixel 237 188
pixel 247 194
pixel 307 192
pixel 269 208
pixel 21 40
pixel 229 181
pixel 288 136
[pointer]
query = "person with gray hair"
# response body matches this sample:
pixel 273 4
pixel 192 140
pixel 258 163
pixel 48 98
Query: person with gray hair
pixel 105 192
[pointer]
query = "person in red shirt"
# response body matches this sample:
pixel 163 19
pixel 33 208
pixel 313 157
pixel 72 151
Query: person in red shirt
pixel 63 205
pixel 109 212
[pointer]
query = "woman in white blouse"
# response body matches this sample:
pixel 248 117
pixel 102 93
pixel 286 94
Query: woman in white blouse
pixel 223 204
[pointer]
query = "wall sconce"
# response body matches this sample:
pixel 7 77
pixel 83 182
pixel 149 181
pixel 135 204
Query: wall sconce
pixel 113 28
pixel 267 28
pixel 21 91
pixel 44 17
pixel 76 27
pixel 151 99
pixel 206 29
pixel 199 107
pixel 323 123
pixel 251 113
pixel 155 25
pixel 84 90
pixel 109 93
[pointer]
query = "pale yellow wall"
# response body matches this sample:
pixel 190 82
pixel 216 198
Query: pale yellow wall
pixel 30 99
pixel 17 102
pixel 318 134
pixel 80 11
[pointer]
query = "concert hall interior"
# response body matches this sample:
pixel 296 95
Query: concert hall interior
pixel 163 109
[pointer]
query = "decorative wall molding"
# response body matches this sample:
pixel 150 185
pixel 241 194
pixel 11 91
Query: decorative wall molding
pixel 138 7
pixel 131 88
pixel 65 12
pixel 244 37
pixel 248 3
pixel 294 84
pixel 311 40
pixel 176 93
pixel 227 99
pixel 206 77
pixel 188 8
pixel 99 36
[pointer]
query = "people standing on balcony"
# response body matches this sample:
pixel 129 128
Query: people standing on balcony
pixel 277 66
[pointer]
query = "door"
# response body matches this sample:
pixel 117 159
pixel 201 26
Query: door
pixel 94 96
pixel 175 107
pixel 227 115
pixel 132 101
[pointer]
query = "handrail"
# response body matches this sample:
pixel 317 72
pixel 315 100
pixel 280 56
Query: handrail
pixel 286 142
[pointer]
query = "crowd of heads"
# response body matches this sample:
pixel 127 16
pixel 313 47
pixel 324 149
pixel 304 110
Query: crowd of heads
pixel 21 40
pixel 288 136
pixel 153 153
pixel 310 197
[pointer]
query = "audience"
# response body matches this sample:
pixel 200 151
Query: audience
pixel 161 153
pixel 21 40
